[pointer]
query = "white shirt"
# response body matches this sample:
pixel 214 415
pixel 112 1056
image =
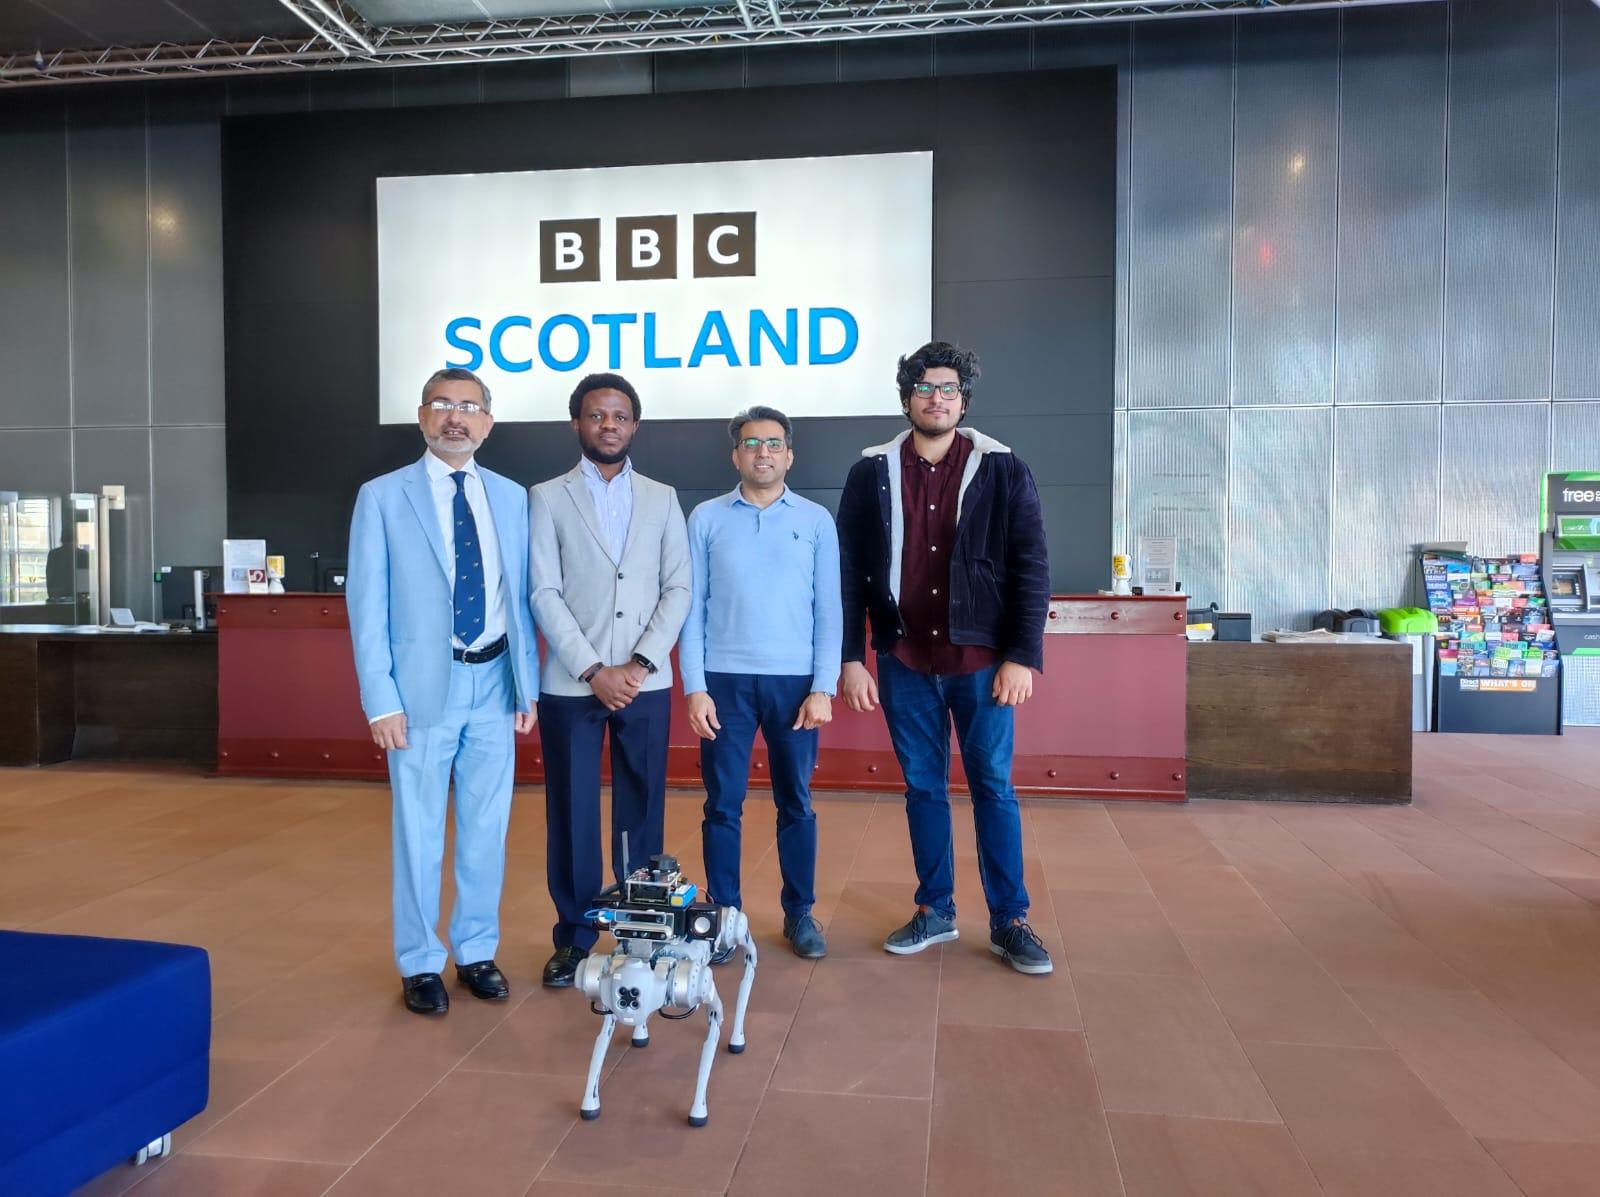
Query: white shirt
pixel 444 503
pixel 613 503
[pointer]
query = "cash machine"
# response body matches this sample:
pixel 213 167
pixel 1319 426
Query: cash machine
pixel 1570 561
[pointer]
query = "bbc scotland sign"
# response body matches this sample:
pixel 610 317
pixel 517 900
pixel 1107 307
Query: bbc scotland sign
pixel 795 282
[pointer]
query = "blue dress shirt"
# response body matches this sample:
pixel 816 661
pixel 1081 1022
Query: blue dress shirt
pixel 766 592
pixel 613 502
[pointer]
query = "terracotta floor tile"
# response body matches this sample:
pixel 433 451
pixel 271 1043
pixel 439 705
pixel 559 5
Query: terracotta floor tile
pixel 976 1146
pixel 1272 989
pixel 883 1047
pixel 1360 946
pixel 1492 1075
pixel 1213 900
pixel 224 1176
pixel 1118 932
pixel 1343 1101
pixel 1549 1169
pixel 1475 1175
pixel 233 1082
pixel 644 1107
pixel 484 1132
pixel 866 912
pixel 1201 1157
pixel 572 1188
pixel 978 988
pixel 338 1102
pixel 120 1178
pixel 1116 874
pixel 1158 837
pixel 546 1034
pixel 1161 1047
pixel 1467 925
pixel 809 1143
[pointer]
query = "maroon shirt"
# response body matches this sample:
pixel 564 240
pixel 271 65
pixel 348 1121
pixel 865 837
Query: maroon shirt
pixel 929 495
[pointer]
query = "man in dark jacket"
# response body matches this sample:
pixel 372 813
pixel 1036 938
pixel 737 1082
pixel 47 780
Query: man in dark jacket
pixel 942 546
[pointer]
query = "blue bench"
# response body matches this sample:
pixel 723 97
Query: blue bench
pixel 104 1050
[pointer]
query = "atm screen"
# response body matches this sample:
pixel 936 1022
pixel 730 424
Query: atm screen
pixel 1566 587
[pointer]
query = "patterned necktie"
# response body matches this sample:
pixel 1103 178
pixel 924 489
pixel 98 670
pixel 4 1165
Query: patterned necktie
pixel 469 567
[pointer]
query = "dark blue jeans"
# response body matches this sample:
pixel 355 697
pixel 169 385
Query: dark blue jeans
pixel 744 705
pixel 570 733
pixel 919 708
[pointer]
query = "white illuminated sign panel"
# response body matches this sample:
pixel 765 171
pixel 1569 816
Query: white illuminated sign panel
pixel 793 282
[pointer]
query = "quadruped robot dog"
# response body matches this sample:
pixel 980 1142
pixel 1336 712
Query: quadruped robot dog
pixel 662 965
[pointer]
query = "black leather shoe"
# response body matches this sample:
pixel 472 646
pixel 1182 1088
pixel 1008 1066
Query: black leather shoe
pixel 559 971
pixel 484 980
pixel 424 994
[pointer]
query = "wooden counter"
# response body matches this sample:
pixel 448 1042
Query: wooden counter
pixel 1300 722
pixel 80 693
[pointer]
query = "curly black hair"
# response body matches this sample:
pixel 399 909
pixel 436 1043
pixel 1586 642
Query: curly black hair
pixel 603 382
pixel 932 355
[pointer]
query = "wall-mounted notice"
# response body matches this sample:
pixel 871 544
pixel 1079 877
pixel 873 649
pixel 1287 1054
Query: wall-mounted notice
pixel 796 282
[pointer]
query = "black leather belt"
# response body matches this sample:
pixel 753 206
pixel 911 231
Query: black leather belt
pixel 477 656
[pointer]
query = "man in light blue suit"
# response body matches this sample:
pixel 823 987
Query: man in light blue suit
pixel 437 589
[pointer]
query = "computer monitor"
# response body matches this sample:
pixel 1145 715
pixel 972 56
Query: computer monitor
pixel 330 576
pixel 177 591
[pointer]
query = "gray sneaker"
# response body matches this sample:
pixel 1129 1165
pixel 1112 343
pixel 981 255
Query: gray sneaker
pixel 923 931
pixel 1021 948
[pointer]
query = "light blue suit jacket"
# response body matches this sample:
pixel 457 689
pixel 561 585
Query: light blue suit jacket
pixel 399 593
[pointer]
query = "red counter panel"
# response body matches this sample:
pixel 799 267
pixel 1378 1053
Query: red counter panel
pixel 1106 719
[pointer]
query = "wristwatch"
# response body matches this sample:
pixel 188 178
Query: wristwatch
pixel 641 659
pixel 588 674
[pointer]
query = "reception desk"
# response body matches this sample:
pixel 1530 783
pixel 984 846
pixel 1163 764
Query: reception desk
pixel 80 693
pixel 1107 717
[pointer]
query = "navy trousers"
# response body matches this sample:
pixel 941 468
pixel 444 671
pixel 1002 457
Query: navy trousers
pixel 570 732
pixel 746 704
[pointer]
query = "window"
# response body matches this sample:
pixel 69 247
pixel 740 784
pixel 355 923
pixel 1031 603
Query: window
pixel 27 534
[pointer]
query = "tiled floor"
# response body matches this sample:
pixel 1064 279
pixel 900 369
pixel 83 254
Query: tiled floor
pixel 1249 999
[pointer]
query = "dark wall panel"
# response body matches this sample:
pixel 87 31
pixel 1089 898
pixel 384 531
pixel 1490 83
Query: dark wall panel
pixel 34 354
pixel 1029 283
pixel 187 469
pixel 185 274
pixel 110 276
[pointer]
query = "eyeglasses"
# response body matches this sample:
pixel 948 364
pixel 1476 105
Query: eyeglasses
pixel 776 443
pixel 466 408
pixel 948 389
pixel 599 417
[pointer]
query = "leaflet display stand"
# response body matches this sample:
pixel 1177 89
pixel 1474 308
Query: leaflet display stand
pixel 1497 666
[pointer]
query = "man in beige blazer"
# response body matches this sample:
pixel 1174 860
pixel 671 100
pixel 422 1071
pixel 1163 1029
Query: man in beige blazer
pixel 610 568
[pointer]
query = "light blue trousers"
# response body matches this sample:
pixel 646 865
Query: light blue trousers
pixel 474 740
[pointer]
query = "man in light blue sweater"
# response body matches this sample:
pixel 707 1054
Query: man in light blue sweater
pixel 760 651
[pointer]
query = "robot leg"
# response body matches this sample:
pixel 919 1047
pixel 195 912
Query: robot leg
pixel 708 1053
pixel 590 1110
pixel 736 1038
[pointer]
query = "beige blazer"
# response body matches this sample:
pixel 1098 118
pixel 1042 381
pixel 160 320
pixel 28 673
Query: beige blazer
pixel 590 608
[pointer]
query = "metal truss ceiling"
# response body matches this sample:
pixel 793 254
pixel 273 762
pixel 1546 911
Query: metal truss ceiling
pixel 338 39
